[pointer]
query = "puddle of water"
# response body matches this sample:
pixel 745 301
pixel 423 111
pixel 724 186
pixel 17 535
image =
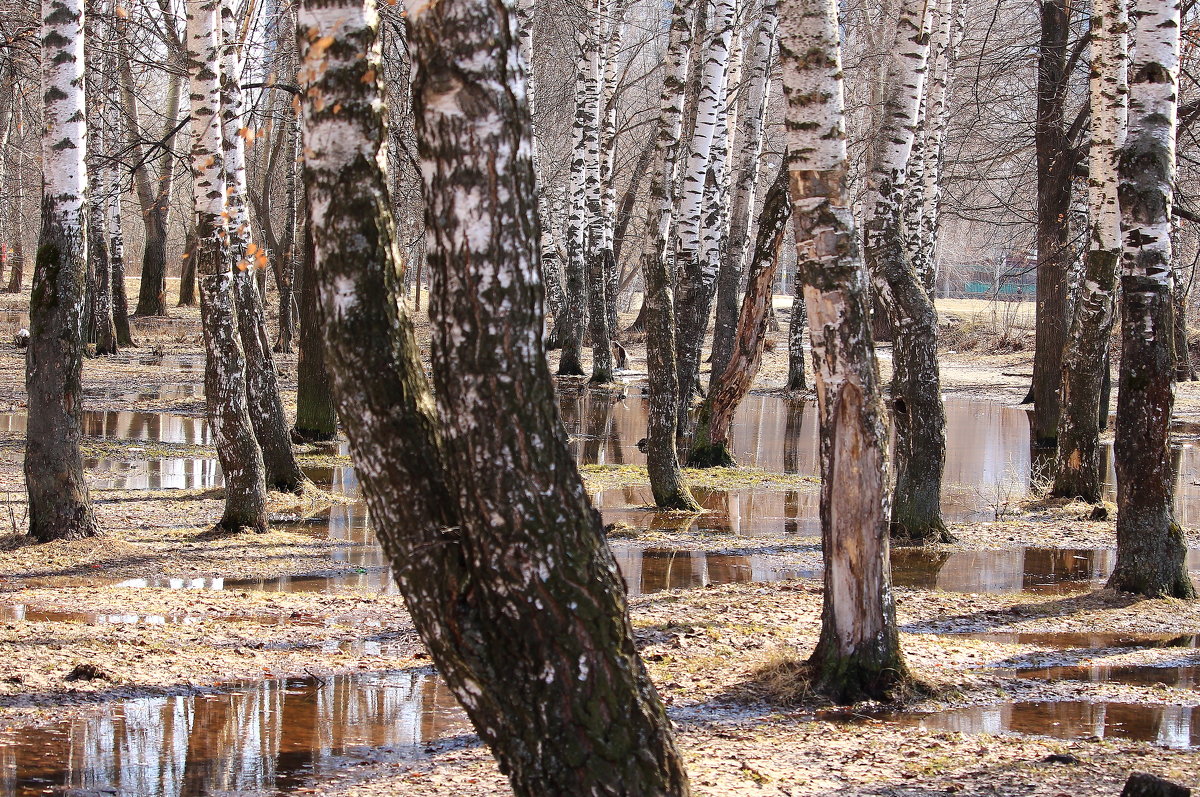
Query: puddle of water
pixel 173 473
pixel 1048 571
pixel 1168 726
pixel 747 512
pixel 257 738
pixel 122 425
pixel 1078 640
pixel 166 392
pixel 1186 676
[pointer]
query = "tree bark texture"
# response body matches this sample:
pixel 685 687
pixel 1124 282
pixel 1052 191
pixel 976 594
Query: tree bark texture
pixel 1077 470
pixel 1056 161
pixel 916 384
pixel 499 554
pixel 796 326
pixel 729 277
pixel 59 504
pixel 711 445
pixel 225 366
pixel 245 260
pixel 858 653
pixel 1151 549
pixel 316 415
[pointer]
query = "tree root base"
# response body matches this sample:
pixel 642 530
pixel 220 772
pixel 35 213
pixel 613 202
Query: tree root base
pixel 715 455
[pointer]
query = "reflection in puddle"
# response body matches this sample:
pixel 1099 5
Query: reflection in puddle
pixel 1185 676
pixel 1169 726
pixel 652 570
pixel 121 425
pixel 1072 640
pixel 261 737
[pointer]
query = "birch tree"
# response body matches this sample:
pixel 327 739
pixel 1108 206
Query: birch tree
pixel 225 367
pixel 597 306
pixel 100 286
pixel 1085 362
pixel 752 136
pixel 574 317
pixel 494 544
pixel 917 401
pixel 691 304
pixel 1151 548
pixel 858 653
pixel 59 504
pixel 662 459
pixel 246 259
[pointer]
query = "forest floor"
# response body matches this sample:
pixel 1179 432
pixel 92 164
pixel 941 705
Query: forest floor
pixel 90 628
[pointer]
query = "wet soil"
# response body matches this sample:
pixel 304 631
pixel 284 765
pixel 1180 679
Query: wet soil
pixel 162 659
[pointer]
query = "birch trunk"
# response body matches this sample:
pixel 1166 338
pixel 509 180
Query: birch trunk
pixel 752 136
pixel 316 414
pixel 494 544
pixel 1151 548
pixel 689 257
pixel 1077 471
pixel 574 318
pixel 225 369
pixel 104 332
pixel 711 446
pixel 916 390
pixel 245 260
pixel 593 202
pixel 858 654
pixel 796 325
pixel 59 504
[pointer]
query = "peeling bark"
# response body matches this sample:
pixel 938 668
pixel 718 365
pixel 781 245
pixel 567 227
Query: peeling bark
pixel 858 654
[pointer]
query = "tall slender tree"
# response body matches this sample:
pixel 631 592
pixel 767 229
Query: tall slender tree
pixel 59 504
pixel 858 653
pixel 1151 549
pixel 1085 363
pixel 245 258
pixel 225 368
pixel 662 458
pixel 916 385
pixel 499 554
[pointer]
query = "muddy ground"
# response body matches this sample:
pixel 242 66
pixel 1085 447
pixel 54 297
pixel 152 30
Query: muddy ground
pixel 87 625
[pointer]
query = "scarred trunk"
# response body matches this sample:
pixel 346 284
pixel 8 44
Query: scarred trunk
pixel 796 327
pixel 316 416
pixel 59 505
pixel 493 541
pixel 858 654
pixel 225 367
pixel 1151 548
pixel 711 445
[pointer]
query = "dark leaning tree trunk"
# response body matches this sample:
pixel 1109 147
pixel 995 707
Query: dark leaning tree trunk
pixel 711 445
pixel 59 505
pixel 225 367
pixel 1056 162
pixel 316 416
pixel 658 306
pixel 858 654
pixel 495 546
pixel 187 273
pixel 262 383
pixel 1151 548
pixel 1085 362
pixel 916 384
pixel 796 326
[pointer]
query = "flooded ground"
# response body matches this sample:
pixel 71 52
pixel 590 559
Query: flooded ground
pixel 285 734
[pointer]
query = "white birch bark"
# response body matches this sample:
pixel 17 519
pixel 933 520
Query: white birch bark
pixel 225 377
pixel 1151 548
pixel 858 652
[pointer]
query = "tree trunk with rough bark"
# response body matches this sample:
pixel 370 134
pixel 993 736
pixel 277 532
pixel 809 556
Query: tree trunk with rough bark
pixel 316 415
pixel 1056 162
pixel 917 409
pixel 858 654
pixel 245 260
pixel 711 445
pixel 225 368
pixel 729 276
pixel 104 332
pixel 1077 470
pixel 59 505
pixel 187 273
pixel 1151 548
pixel 796 326
pixel 495 546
